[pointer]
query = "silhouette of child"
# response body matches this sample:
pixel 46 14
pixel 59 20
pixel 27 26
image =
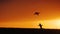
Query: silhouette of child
pixel 40 26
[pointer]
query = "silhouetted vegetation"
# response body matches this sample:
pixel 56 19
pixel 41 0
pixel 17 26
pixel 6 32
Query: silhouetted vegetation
pixel 29 31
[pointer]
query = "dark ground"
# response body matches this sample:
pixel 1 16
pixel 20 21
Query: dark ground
pixel 29 31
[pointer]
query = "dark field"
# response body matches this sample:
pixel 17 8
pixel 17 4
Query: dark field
pixel 29 31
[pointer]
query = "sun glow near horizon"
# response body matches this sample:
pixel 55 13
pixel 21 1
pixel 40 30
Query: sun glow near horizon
pixel 47 24
pixel 51 24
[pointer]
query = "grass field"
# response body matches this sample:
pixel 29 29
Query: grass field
pixel 29 31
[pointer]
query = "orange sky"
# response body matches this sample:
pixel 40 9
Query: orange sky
pixel 19 13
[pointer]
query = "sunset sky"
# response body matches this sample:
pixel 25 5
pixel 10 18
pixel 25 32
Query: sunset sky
pixel 20 13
